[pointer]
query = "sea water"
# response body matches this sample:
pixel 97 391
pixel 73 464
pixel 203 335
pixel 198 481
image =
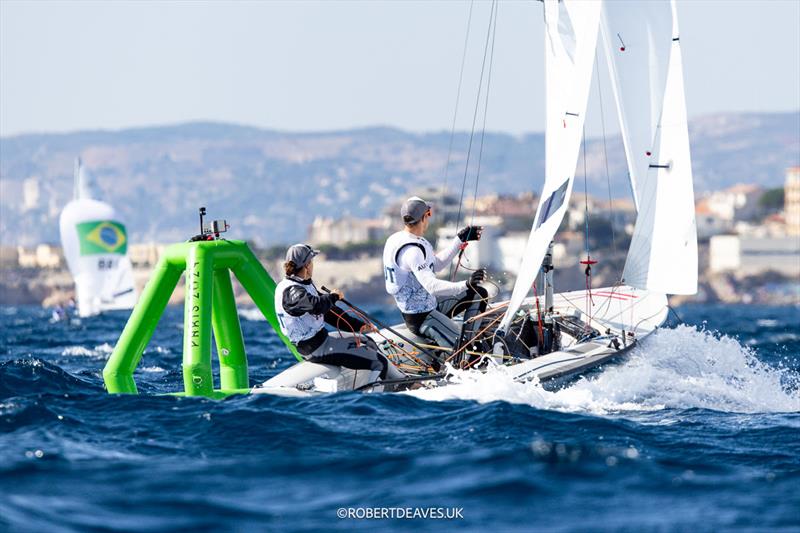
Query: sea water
pixel 699 429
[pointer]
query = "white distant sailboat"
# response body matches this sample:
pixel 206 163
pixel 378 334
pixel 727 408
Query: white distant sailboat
pixel 572 333
pixel 95 245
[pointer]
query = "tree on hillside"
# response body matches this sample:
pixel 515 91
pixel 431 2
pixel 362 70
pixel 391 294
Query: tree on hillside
pixel 771 200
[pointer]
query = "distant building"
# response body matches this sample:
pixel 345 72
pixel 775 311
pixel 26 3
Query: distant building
pixel 480 254
pixel 576 212
pixel 746 256
pixel 710 223
pixel 145 255
pixel 444 206
pixel 739 202
pixel 30 194
pixel 620 212
pixel 43 256
pixel 9 257
pixel 791 199
pixel 346 230
pixel 511 248
pixel 523 205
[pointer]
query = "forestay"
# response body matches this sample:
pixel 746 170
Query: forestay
pixel 571 28
pixel 663 251
pixel 637 37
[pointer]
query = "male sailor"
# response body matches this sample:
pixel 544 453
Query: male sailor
pixel 426 302
pixel 303 311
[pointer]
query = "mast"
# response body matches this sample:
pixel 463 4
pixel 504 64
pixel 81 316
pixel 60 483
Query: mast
pixel 76 177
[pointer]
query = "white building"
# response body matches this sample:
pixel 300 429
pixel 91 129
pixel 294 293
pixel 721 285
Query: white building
pixel 346 230
pixel 739 202
pixel 710 223
pixel 145 254
pixel 43 256
pixel 481 254
pixel 30 194
pixel 747 256
pixel 791 199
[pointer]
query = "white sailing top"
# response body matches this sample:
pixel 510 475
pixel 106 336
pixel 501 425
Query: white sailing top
pixel 297 328
pixel 409 267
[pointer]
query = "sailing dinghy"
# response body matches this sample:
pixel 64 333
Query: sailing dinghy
pixel 95 246
pixel 569 334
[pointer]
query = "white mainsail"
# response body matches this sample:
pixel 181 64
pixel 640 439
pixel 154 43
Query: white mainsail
pixel 571 28
pixel 637 37
pixel 95 247
pixel 663 252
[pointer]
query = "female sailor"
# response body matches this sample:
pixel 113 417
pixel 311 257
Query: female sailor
pixel 302 312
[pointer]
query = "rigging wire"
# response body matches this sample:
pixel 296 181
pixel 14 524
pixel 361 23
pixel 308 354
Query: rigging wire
pixel 585 195
pixel 475 113
pixel 608 174
pixel 605 153
pixel 589 261
pixel 480 149
pixel 455 111
pixel 485 112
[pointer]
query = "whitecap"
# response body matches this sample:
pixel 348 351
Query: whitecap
pixel 253 314
pixel 679 368
pixel 102 350
pixel 78 351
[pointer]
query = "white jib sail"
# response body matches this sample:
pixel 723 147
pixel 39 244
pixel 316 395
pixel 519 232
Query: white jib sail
pixel 663 251
pixel 95 247
pixel 637 37
pixel 571 28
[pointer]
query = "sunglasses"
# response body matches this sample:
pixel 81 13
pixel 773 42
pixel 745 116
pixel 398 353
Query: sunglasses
pixel 309 252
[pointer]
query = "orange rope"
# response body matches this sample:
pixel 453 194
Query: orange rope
pixel 339 318
pixel 481 332
pixel 394 344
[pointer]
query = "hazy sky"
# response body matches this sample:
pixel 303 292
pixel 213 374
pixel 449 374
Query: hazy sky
pixel 67 66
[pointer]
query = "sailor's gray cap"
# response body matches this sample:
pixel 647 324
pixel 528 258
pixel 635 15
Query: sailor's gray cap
pixel 414 209
pixel 300 254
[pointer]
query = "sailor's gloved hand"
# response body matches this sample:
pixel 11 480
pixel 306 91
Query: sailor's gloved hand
pixel 476 277
pixel 470 233
pixel 337 293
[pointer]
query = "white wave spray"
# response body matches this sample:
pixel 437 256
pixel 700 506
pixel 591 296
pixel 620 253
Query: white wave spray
pixel 674 368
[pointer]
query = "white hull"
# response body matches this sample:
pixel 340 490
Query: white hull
pixel 624 314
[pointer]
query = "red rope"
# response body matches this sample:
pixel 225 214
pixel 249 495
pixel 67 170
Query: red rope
pixel 539 316
pixel 463 247
pixel 589 300
pixel 339 318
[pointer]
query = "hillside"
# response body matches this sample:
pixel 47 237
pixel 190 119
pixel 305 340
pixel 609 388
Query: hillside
pixel 271 185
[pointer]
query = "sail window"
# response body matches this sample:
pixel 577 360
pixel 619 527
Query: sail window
pixel 553 203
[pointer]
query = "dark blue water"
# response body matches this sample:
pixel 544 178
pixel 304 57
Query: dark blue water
pixel 699 430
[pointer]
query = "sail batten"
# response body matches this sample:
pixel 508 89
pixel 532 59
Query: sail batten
pixel 571 30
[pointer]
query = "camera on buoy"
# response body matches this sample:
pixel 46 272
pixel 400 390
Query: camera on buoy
pixel 210 231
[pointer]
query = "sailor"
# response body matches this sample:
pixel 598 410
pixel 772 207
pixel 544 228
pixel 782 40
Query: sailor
pixel 303 311
pixel 427 303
